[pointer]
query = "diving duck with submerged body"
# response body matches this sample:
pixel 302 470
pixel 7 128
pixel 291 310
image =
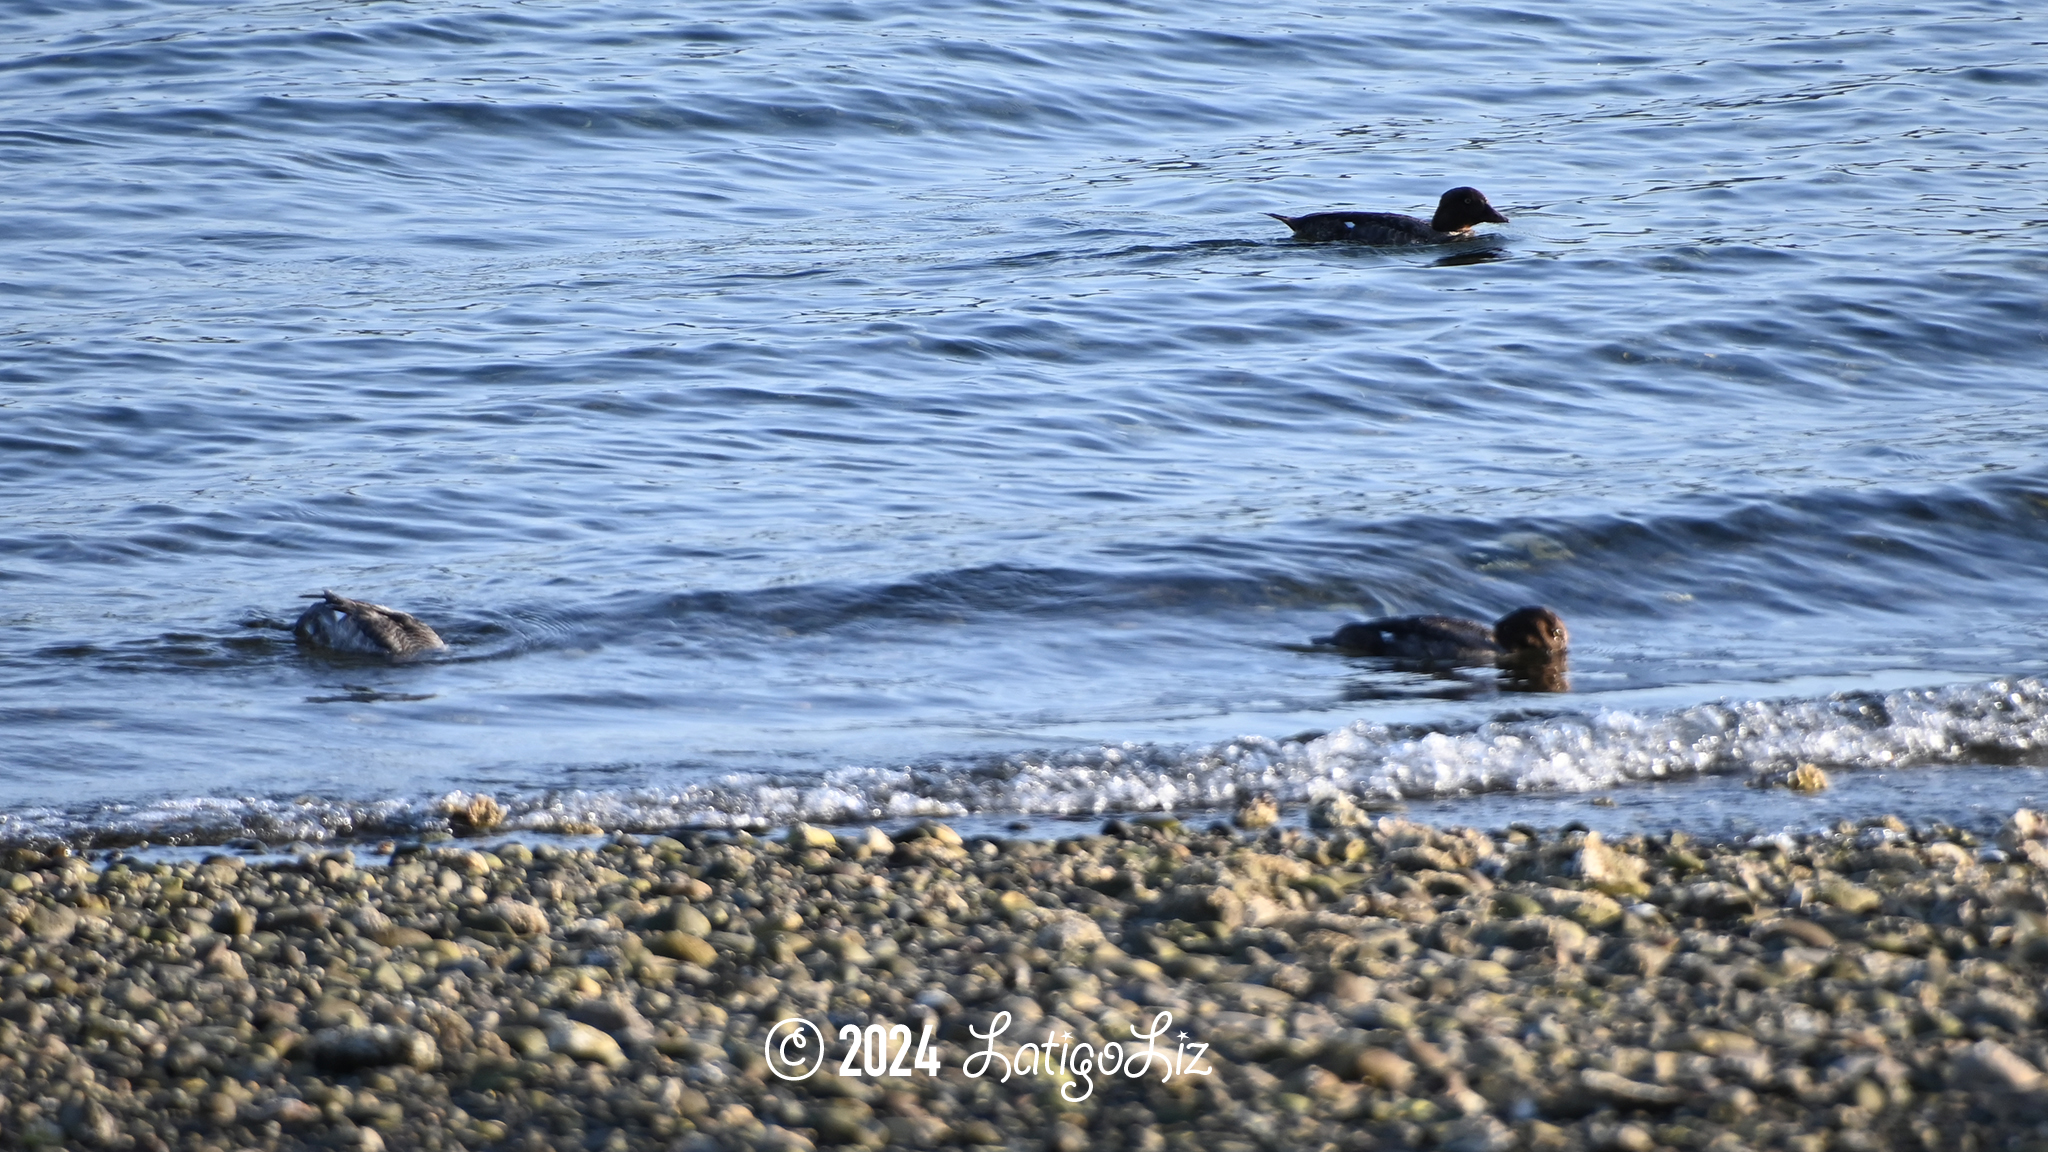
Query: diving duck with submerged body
pixel 338 624
pixel 1528 644
pixel 1457 213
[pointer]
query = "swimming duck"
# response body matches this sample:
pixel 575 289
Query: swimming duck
pixel 340 624
pixel 1526 634
pixel 1456 213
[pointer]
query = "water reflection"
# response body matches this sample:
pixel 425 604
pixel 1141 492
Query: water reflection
pixel 1549 673
pixel 1446 681
pixel 1478 256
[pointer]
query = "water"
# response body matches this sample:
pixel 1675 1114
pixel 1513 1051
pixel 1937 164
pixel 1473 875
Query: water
pixel 857 410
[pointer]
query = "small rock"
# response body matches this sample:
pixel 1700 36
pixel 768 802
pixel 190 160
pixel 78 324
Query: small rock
pixel 1717 899
pixel 738 943
pixel 512 916
pixel 1200 904
pixel 224 961
pixel 933 830
pixel 1555 934
pixel 846 945
pixel 1629 1138
pixel 1711 1042
pixel 1850 898
pixel 811 836
pixel 684 946
pixel 292 1112
pixel 1350 989
pixel 1641 958
pixel 1989 1064
pixel 2026 824
pixel 1069 930
pixel 1804 931
pixel 978 1131
pixel 780 1139
pixel 53 924
pixel 1422 858
pixel 1384 1014
pixel 1257 812
pixel 580 1041
pixel 1481 1133
pixel 871 843
pixel 1613 872
pixel 1807 778
pixel 1633 1093
pixel 1390 1070
pixel 235 921
pixel 1732 1102
pixel 130 995
pixel 1515 905
pixel 680 916
pixel 346 1049
pixel 1067 1137
pixel 96 1126
pixel 615 1015
pixel 471 815
pixel 843 1120
pixel 1339 811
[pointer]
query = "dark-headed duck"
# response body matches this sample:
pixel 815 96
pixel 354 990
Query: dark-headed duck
pixel 1525 634
pixel 1456 213
pixel 339 624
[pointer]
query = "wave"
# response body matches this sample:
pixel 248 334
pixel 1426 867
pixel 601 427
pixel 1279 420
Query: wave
pixel 1937 565
pixel 2001 722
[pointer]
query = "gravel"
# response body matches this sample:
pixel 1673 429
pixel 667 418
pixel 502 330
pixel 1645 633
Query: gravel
pixel 1374 984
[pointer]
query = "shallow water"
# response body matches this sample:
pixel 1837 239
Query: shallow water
pixel 849 410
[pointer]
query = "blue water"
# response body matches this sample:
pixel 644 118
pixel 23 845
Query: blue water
pixel 840 410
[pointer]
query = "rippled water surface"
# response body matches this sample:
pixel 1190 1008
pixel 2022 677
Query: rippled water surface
pixel 850 410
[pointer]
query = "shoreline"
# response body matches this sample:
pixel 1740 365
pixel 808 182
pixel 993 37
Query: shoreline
pixel 1373 984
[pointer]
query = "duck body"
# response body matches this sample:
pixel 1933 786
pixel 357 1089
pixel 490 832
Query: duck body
pixel 338 624
pixel 1525 633
pixel 1381 229
pixel 1456 213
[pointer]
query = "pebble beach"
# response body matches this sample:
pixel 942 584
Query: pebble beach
pixel 1367 983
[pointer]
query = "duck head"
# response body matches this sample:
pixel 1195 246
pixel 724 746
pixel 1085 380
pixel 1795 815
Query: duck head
pixel 1461 208
pixel 1532 631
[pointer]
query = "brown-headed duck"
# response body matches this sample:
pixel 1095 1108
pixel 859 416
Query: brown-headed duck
pixel 339 624
pixel 1532 633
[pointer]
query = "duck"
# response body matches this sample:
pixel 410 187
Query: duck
pixel 1525 635
pixel 1457 211
pixel 336 623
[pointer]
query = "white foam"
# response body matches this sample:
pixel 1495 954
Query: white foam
pixel 2001 722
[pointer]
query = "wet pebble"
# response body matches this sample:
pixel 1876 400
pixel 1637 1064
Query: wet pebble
pixel 1372 982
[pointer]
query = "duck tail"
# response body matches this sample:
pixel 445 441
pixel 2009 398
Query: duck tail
pixel 1287 220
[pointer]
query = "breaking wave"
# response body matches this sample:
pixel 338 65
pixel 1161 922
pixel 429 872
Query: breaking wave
pixel 2002 722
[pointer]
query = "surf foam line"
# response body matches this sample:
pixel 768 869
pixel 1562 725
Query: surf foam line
pixel 2002 722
